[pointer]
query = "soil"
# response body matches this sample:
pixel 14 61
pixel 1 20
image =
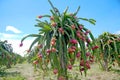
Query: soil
pixel 26 70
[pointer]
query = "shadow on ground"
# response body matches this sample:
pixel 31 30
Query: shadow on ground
pixel 4 74
pixel 116 71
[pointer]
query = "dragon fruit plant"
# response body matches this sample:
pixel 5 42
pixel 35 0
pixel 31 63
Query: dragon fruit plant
pixel 6 55
pixel 109 50
pixel 62 40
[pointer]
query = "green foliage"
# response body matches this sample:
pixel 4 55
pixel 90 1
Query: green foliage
pixel 109 49
pixel 62 41
pixel 18 58
pixel 6 54
pixel 13 78
pixel 7 57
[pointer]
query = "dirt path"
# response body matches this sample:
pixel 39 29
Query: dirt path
pixel 26 70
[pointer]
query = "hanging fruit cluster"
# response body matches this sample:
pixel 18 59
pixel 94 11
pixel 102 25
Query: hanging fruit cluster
pixel 63 40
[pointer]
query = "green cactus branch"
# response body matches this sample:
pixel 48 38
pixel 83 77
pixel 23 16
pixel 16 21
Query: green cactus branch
pixel 62 41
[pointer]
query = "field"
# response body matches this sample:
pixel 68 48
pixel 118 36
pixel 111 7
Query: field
pixel 26 71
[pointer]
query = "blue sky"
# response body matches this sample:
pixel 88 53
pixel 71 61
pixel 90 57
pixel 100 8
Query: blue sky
pixel 17 17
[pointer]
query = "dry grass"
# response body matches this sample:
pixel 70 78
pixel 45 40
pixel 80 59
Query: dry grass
pixel 95 73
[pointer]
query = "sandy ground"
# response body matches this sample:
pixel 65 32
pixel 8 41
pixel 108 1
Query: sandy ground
pixel 26 70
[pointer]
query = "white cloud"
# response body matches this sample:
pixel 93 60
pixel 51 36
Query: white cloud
pixel 13 29
pixel 15 45
pixel 118 32
pixel 5 35
pixel 21 50
pixel 15 40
